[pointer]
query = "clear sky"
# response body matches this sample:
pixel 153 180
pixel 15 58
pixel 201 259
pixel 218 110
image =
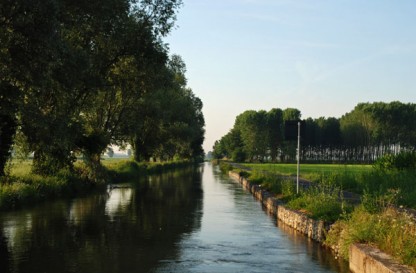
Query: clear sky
pixel 322 57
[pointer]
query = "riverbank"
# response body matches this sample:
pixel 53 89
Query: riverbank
pixel 318 230
pixel 22 188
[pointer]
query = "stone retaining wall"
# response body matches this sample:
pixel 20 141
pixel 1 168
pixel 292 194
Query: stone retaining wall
pixel 299 221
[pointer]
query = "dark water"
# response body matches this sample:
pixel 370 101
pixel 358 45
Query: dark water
pixel 187 221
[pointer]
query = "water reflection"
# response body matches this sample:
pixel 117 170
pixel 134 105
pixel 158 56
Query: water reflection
pixel 236 236
pixel 317 252
pixel 195 220
pixel 129 229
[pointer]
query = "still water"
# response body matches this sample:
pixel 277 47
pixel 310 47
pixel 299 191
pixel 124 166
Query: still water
pixel 194 220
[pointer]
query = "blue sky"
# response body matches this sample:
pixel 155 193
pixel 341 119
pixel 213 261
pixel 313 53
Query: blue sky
pixel 322 57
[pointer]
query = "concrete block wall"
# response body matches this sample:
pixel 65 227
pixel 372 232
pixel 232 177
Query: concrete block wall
pixel 299 221
pixel 367 259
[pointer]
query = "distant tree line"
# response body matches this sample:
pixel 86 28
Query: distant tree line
pixel 369 131
pixel 79 76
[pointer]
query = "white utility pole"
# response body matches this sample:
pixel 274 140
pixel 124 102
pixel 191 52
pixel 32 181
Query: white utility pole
pixel 298 157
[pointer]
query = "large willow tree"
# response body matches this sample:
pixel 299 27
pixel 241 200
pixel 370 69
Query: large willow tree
pixel 74 73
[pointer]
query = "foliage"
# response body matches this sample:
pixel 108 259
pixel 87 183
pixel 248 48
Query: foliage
pixel 76 78
pixel 225 167
pixel 255 136
pixel 17 191
pixel 22 187
pixel 169 122
pixel 252 127
pixel 368 132
pixel 379 122
pixel 401 161
pixel 401 182
pixel 126 170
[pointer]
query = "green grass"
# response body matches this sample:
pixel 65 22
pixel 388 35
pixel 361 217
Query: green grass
pixel 321 203
pixel 309 171
pixel 21 187
pixel 27 188
pixel 347 177
pixel 20 167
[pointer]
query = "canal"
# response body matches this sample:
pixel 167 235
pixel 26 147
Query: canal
pixel 194 220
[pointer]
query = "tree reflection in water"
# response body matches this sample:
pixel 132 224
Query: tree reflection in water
pixel 129 229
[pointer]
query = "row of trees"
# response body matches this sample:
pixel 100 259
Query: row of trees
pixel 79 76
pixel 367 132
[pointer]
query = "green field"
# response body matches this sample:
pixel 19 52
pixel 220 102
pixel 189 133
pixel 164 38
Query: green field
pixel 311 171
pixel 23 167
pixel 360 179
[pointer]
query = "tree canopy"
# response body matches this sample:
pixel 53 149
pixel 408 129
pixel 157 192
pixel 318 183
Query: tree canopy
pixel 362 135
pixel 79 76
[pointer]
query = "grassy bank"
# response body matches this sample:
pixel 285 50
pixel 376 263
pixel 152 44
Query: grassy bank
pixel 360 179
pixel 376 221
pixel 125 170
pixel 21 187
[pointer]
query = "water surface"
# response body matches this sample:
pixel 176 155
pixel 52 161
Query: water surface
pixel 195 220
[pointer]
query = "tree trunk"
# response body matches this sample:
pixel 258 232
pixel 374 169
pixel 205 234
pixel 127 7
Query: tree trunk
pixel 7 131
pixel 95 170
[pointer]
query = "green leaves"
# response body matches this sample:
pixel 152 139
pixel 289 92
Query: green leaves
pixel 80 71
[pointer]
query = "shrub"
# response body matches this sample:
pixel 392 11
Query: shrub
pixel 401 161
pixel 125 170
pixel 225 167
pixel 381 182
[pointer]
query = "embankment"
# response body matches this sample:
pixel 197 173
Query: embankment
pixel 363 258
pixel 314 229
pixel 27 189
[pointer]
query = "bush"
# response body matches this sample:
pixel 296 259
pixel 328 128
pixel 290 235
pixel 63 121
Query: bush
pixel 29 188
pixel 401 161
pixel 126 170
pixel 381 182
pixel 225 167
pixel 238 155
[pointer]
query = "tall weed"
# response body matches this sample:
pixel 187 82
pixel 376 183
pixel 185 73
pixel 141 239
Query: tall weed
pixel 321 202
pixel 392 231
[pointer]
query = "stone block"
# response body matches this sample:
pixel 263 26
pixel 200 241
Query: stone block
pixel 368 259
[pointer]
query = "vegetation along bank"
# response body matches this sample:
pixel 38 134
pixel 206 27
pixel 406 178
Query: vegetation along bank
pixel 383 217
pixel 22 187
pixel 77 79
